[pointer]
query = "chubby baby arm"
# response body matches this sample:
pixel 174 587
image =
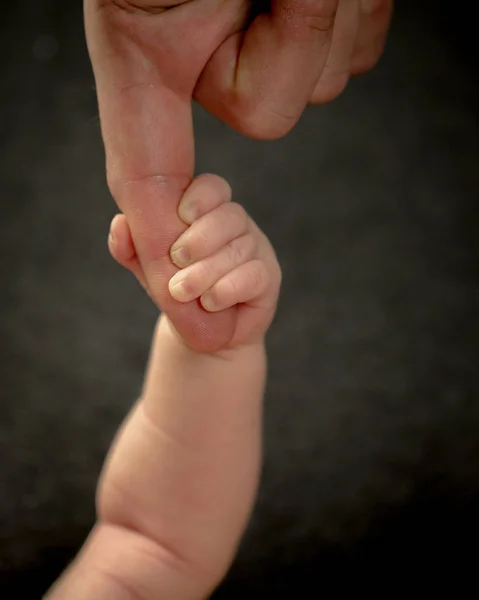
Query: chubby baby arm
pixel 180 481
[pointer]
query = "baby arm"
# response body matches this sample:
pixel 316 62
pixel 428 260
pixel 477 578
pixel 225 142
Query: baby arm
pixel 180 481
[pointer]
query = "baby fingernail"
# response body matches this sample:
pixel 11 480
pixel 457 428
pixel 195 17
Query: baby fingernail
pixel 178 289
pixel 207 302
pixel 180 256
pixel 187 212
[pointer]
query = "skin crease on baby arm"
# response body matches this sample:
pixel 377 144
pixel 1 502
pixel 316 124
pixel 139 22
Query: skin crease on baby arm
pixel 180 481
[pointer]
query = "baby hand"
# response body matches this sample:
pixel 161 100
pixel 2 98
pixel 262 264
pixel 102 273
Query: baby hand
pixel 224 260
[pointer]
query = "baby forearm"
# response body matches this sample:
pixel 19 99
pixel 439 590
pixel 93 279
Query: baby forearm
pixel 180 481
pixel 197 433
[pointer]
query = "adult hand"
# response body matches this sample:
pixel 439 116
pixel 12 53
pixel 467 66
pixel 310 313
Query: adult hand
pixel 255 65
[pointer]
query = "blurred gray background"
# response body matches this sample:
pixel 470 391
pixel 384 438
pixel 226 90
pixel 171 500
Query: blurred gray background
pixel 372 428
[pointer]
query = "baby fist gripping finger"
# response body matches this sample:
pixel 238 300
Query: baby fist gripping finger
pixel 225 261
pixel 192 282
pixel 209 234
pixel 204 194
pixel 202 331
pixel 240 286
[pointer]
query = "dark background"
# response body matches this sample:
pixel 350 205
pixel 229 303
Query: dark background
pixel 372 429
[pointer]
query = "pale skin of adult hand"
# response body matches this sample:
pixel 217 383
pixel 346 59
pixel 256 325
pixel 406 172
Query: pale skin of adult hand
pixel 256 72
pixel 180 481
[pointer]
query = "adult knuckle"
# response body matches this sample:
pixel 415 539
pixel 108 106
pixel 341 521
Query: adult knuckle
pixel 143 6
pixel 252 119
pixel 372 7
pixel 251 116
pixel 365 61
pixel 329 90
pixel 318 15
pixel 321 14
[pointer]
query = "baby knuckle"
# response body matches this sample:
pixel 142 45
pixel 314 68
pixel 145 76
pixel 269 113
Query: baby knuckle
pixel 200 241
pixel 235 252
pixel 240 249
pixel 257 275
pixel 204 271
pixel 216 296
pixel 276 281
pixel 223 187
pixel 213 186
pixel 250 243
pixel 279 274
pixel 236 215
pixel 231 288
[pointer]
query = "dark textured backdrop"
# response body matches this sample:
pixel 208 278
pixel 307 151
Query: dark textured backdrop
pixel 372 430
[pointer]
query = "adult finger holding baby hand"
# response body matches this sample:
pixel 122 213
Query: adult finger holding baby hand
pixel 180 480
pixel 255 65
pixel 224 260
